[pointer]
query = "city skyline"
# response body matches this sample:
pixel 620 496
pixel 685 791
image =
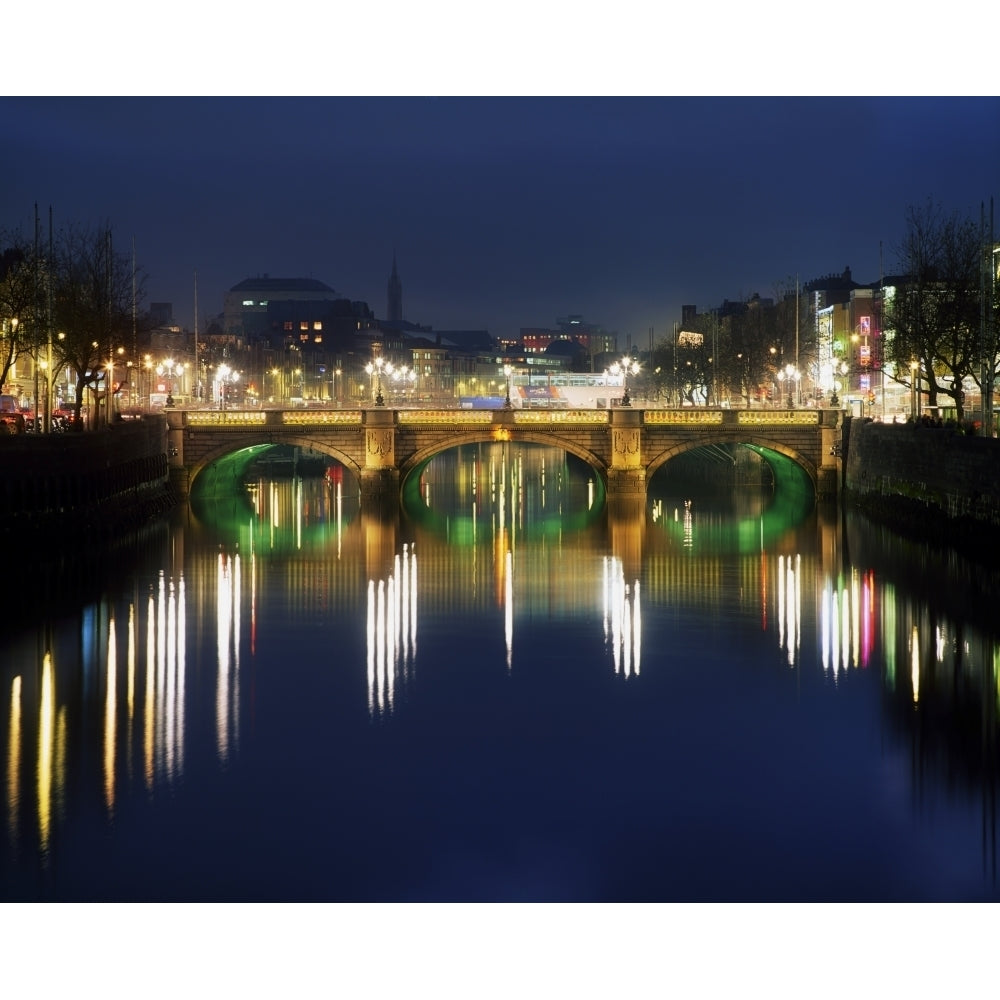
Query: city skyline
pixel 501 213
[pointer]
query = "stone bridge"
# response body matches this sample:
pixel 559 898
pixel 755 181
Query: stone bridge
pixel 625 446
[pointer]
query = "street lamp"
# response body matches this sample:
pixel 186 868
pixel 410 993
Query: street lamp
pixel 405 376
pixel 168 368
pixel 842 371
pixel 224 374
pixel 376 368
pixel 508 371
pixel 627 366
pixel 791 374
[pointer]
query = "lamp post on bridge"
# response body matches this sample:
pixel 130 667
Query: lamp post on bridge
pixel 627 366
pixel 508 370
pixel 791 375
pixel 376 368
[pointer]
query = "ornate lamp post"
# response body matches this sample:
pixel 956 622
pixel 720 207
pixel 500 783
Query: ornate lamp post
pixel 168 368
pixel 376 368
pixel 791 375
pixel 842 371
pixel 225 375
pixel 508 370
pixel 627 366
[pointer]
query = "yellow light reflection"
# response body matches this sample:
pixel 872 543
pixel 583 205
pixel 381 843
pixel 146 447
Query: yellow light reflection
pixel 110 705
pixel 508 617
pixel 915 664
pixel 14 759
pixel 46 727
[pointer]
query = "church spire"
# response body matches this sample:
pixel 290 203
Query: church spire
pixel 394 310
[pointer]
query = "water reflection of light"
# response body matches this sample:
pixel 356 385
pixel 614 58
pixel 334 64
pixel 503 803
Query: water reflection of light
pixel 790 606
pixel 46 740
pixel 391 631
pixel 833 626
pixel 688 525
pixel 109 717
pixel 849 622
pixel 149 706
pixel 14 758
pixel 622 618
pixel 508 617
pixel 227 653
pixel 915 663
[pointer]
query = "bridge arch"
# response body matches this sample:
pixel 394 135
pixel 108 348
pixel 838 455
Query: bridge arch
pixel 790 468
pixel 491 435
pixel 254 444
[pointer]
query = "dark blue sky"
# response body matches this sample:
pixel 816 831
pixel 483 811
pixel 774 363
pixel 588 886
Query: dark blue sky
pixel 503 213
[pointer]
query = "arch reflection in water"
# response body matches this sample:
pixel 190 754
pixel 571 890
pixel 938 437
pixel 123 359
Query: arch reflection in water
pixel 622 618
pixel 391 632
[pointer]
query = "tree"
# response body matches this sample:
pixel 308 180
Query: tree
pixel 95 295
pixel 931 315
pixel 19 301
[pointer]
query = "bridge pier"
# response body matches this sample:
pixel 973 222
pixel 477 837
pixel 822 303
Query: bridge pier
pixel 380 475
pixel 627 472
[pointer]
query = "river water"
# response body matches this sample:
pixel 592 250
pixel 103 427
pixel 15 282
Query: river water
pixel 503 693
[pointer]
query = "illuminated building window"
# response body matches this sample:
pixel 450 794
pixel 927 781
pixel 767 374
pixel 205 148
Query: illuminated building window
pixel 304 324
pixel 288 325
pixel 317 324
pixel 248 302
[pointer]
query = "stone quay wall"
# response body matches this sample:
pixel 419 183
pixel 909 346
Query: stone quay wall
pixel 93 483
pixel 935 481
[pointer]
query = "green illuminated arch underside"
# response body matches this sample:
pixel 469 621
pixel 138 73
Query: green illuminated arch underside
pixel 794 499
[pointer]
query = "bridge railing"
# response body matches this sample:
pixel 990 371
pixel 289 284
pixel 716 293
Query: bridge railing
pixel 682 416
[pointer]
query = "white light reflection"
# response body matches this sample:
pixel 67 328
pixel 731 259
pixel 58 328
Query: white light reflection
pixel 790 606
pixel 391 631
pixel 149 707
pixel 622 618
pixel 915 664
pixel 227 653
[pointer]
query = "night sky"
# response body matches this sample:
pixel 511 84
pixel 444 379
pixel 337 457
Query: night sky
pixel 502 213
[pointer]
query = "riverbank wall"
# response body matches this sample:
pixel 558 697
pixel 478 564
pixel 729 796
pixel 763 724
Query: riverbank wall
pixel 932 481
pixel 71 486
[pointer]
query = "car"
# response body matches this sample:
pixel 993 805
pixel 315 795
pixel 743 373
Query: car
pixel 11 417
